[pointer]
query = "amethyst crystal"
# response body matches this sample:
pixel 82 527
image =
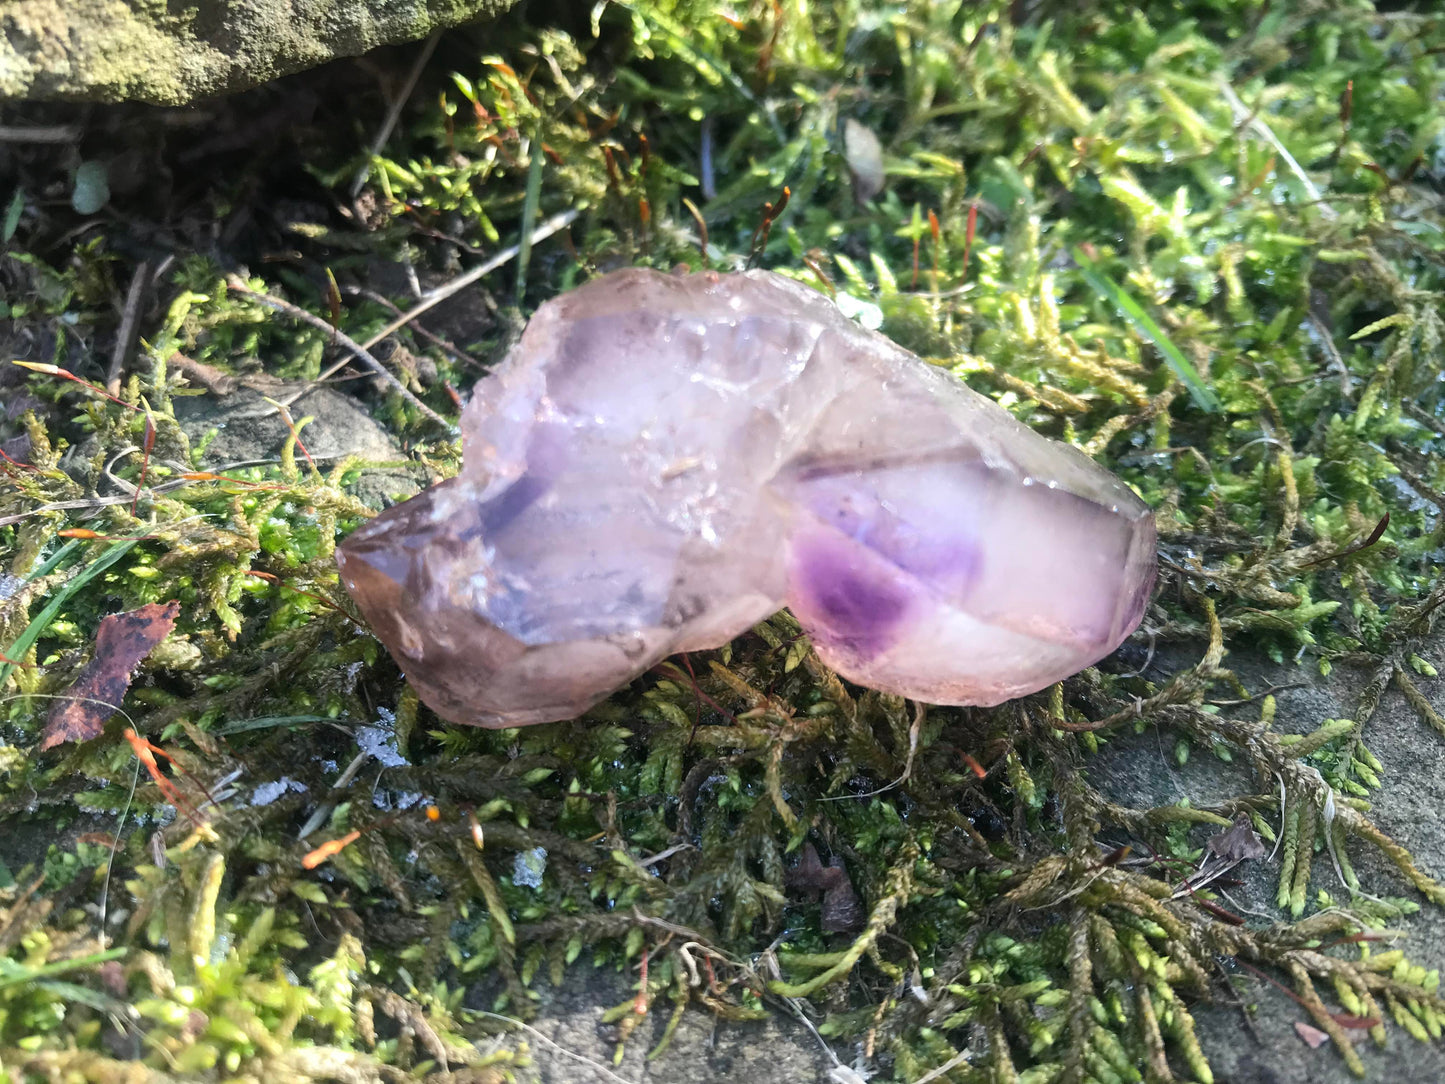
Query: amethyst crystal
pixel 663 461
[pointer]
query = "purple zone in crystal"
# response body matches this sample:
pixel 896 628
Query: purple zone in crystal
pixel 853 604
pixel 934 542
pixel 663 461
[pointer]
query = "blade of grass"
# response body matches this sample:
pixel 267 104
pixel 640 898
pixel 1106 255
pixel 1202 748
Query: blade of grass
pixel 529 211
pixel 82 995
pixel 13 973
pixel 26 640
pixel 266 722
pixel 54 560
pixel 1132 311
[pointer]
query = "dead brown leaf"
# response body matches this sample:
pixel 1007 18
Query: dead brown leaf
pixel 1239 843
pixel 121 642
pixel 842 910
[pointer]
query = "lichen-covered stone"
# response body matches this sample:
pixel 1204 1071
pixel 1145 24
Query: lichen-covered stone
pixel 663 461
pixel 171 54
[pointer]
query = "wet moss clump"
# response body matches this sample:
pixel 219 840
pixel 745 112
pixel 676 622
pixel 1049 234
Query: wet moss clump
pixel 1202 245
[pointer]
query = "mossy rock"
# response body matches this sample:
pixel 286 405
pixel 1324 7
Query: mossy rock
pixel 110 50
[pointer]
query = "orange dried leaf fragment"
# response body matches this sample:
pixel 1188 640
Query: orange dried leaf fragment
pixel 121 642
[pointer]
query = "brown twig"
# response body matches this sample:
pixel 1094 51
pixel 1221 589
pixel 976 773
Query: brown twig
pixel 129 320
pixel 457 353
pixel 357 350
pixel 394 113
pixel 435 297
pixel 58 133
pixel 456 285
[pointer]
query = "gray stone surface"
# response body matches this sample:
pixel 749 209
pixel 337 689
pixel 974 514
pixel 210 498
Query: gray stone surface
pixel 242 428
pixel 774 1051
pixel 170 54
pixel 1253 1040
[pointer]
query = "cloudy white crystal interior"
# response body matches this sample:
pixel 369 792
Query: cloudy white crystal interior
pixel 662 461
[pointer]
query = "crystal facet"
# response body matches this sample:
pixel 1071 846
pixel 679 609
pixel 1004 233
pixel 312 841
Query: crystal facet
pixel 663 461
